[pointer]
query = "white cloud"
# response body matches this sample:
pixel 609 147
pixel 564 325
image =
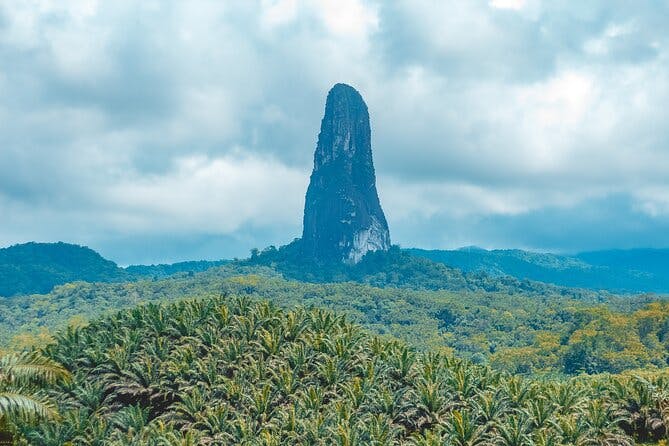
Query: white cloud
pixel 197 195
pixel 348 18
pixel 508 4
pixel 653 201
pixel 202 194
pixel 119 118
pixel 278 12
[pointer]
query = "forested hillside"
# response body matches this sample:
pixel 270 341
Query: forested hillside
pixel 519 332
pixel 653 261
pixel 222 371
pixel 170 269
pixel 37 267
pixel 398 269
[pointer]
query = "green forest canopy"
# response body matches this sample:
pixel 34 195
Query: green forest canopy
pixel 540 331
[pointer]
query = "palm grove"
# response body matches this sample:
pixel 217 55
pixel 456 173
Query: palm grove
pixel 230 371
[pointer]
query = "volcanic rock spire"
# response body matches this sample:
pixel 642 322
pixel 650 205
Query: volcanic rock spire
pixel 343 219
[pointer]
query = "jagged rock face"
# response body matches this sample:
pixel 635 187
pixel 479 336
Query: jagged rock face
pixel 343 219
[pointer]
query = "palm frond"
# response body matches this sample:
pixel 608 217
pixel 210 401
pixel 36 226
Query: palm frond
pixel 18 405
pixel 31 367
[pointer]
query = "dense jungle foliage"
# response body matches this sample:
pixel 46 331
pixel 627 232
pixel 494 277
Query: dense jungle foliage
pixel 520 332
pixel 228 371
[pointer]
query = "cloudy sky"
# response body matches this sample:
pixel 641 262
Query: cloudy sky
pixel 170 130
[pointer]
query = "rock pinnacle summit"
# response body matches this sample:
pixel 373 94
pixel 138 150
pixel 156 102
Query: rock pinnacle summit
pixel 343 219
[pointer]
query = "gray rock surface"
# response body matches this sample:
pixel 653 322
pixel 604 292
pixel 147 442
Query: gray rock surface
pixel 343 219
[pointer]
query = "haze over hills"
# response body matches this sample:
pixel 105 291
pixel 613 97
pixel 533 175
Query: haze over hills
pixel 628 271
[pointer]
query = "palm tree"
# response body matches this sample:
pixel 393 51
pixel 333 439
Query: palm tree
pixel 462 430
pixel 21 378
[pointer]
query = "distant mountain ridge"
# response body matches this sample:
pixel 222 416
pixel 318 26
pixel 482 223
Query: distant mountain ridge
pixel 629 271
pixel 35 268
pixel 163 270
